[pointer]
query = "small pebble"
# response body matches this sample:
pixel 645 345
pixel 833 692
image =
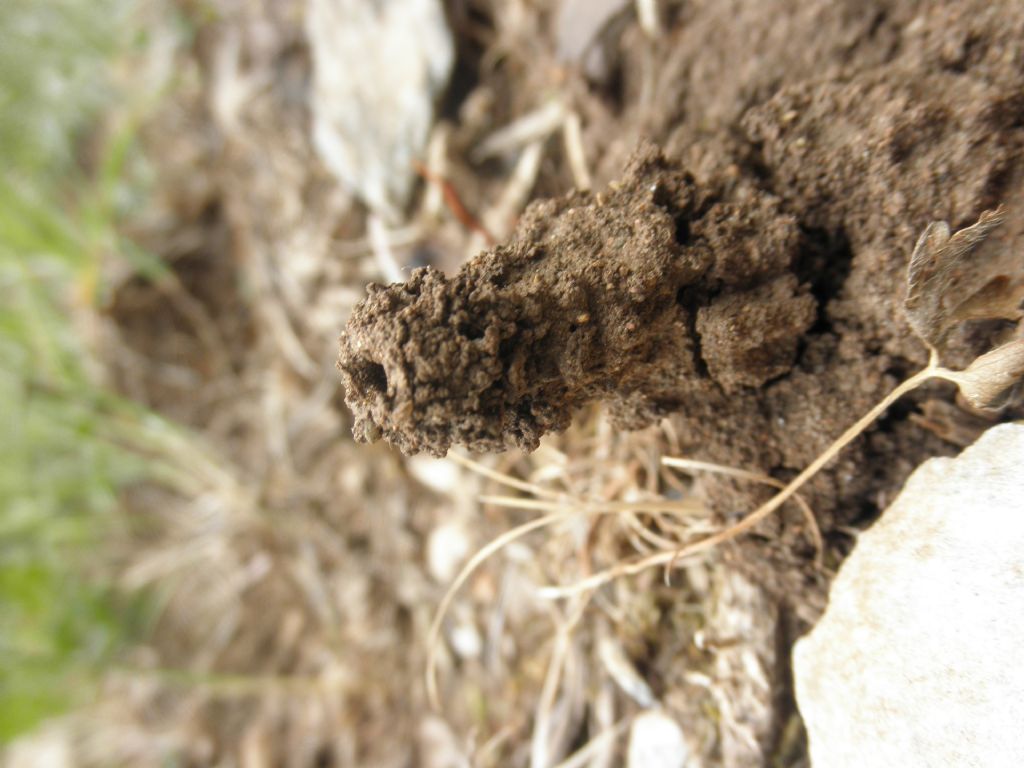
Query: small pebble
pixel 656 741
pixel 447 548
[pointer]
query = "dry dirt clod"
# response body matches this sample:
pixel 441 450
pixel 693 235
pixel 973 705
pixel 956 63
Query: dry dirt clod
pixel 626 301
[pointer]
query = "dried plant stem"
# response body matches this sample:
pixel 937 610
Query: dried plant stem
pixel 504 479
pixel 570 505
pixel 671 558
pixel 454 202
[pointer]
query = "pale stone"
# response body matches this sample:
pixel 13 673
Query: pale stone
pixel 578 25
pixel 447 548
pixel 917 660
pixel 656 741
pixel 377 69
pixel 438 747
pixel 440 475
pixel 466 640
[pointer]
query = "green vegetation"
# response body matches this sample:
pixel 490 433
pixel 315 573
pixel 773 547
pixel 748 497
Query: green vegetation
pixel 60 471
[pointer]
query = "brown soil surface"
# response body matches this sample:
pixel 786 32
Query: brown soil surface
pixel 760 302
pixel 734 296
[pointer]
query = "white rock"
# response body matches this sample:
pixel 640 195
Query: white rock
pixel 656 741
pixel 466 640
pixel 439 475
pixel 438 747
pixel 577 25
pixel 447 548
pixel 377 69
pixel 917 661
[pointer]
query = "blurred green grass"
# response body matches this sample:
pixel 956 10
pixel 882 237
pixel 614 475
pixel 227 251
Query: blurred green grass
pixel 61 618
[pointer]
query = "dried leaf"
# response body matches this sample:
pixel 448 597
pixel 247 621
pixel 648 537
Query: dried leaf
pixel 952 424
pixel 950 279
pixel 999 299
pixel 988 380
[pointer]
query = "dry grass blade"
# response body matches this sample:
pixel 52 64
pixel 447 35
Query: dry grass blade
pixel 569 505
pixel 572 135
pixel 227 686
pixel 501 477
pixel 529 128
pixel 649 16
pixel 646 534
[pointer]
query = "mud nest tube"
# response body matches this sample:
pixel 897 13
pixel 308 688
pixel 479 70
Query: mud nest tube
pixel 641 297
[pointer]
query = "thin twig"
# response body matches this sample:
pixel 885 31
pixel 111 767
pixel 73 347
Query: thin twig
pixel 454 202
